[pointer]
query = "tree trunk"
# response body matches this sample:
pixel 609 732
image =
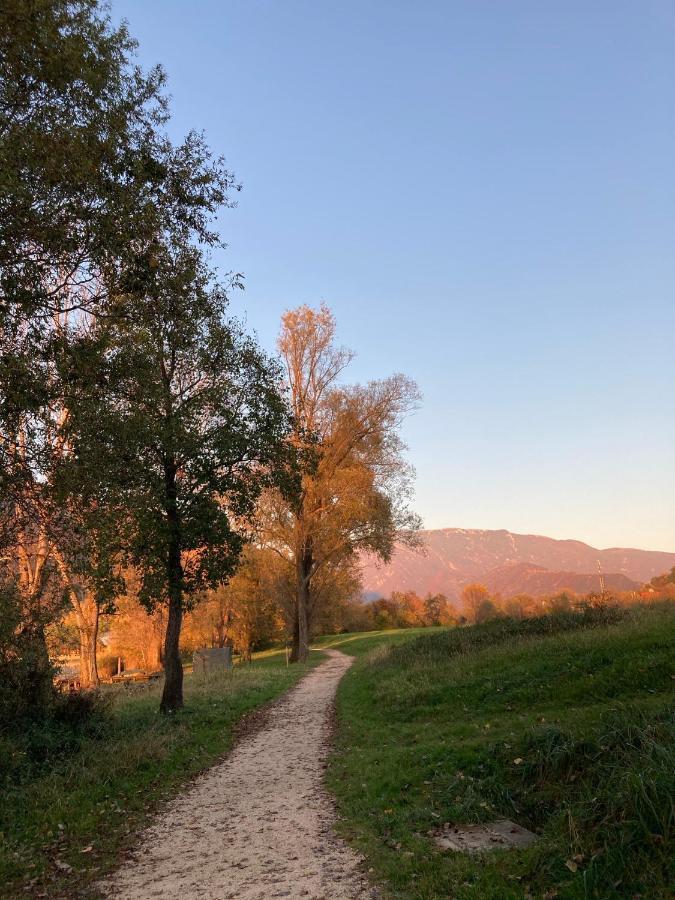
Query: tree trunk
pixel 154 654
pixel 300 651
pixel 172 696
pixel 86 614
pixel 295 638
pixel 85 607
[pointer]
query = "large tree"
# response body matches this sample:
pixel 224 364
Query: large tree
pixel 89 183
pixel 356 483
pixel 180 435
pixel 79 142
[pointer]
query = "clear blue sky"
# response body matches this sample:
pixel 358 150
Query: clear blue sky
pixel 484 194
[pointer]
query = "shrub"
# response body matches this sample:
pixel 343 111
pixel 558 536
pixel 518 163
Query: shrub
pixel 81 709
pixel 34 747
pixel 26 676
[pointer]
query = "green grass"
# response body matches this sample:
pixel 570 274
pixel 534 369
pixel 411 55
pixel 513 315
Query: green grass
pixel 359 643
pixel 71 801
pixel 563 724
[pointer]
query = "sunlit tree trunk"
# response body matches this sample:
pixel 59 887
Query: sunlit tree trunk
pixel 86 617
pixel 86 610
pixel 154 654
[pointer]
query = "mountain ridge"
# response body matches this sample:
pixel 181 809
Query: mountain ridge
pixel 457 556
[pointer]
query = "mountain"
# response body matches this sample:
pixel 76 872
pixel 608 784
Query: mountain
pixel 456 556
pixel 524 578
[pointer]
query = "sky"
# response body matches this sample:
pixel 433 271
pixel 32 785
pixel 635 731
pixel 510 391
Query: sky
pixel 484 195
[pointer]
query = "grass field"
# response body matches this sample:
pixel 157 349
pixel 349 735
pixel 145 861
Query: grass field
pixel 73 798
pixel 563 724
pixel 362 642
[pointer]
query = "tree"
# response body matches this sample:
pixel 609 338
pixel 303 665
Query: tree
pixel 519 607
pixel 486 611
pixel 29 587
pixel 71 107
pixel 562 602
pixel 437 610
pixel 410 609
pixel 180 435
pixel 79 147
pixel 94 200
pixel 355 482
pixel 385 613
pixel 663 583
pixel 51 531
pixel 473 596
pixel 245 613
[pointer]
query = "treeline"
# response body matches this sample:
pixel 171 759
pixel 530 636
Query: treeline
pixel 478 605
pixel 406 609
pixel 150 452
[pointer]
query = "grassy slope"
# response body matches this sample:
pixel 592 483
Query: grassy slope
pixel 430 731
pixel 100 793
pixel 362 642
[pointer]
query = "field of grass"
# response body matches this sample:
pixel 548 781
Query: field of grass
pixel 359 643
pixel 72 798
pixel 563 724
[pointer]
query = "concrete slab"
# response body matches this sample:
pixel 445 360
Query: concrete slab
pixel 500 835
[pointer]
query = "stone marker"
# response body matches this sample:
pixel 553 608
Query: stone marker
pixel 500 835
pixel 211 659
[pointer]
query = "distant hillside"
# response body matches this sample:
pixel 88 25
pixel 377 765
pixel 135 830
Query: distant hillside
pixel 457 556
pixel 524 578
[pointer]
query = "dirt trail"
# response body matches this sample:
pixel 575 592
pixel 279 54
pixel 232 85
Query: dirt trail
pixel 259 824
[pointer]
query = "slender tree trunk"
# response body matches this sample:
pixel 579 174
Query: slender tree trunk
pixel 172 696
pixel 154 654
pixel 85 607
pixel 86 614
pixel 295 638
pixel 300 652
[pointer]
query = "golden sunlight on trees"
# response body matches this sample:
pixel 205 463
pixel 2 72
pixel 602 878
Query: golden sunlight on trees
pixel 473 597
pixel 355 483
pixel 244 614
pixel 135 635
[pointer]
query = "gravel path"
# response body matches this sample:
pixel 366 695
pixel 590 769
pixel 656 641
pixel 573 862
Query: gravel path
pixel 259 824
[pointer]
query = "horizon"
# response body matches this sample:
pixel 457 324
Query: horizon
pixel 484 198
pixel 424 529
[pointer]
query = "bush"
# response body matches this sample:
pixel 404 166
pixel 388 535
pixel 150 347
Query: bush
pixel 27 751
pixel 37 724
pixel 81 709
pixel 26 675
